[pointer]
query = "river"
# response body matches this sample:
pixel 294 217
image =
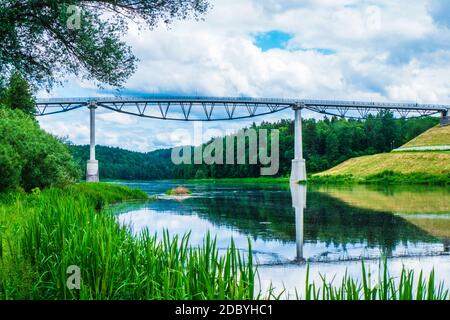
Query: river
pixel 328 228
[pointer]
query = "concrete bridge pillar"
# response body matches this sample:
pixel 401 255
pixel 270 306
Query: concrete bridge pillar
pixel 298 193
pixel 298 172
pixel 92 172
pixel 445 119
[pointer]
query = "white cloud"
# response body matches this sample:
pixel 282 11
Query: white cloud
pixel 117 118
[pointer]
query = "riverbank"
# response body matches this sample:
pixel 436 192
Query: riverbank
pixel 44 233
pixel 424 168
pixel 383 178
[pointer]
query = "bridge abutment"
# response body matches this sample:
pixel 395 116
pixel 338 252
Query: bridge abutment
pixel 92 171
pixel 298 171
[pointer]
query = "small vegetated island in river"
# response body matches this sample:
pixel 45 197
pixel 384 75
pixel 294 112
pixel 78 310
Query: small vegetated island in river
pixel 179 191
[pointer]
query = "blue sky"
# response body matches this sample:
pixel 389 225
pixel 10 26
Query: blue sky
pixel 327 49
pixel 273 39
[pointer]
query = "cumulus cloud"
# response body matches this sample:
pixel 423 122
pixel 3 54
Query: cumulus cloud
pixel 117 118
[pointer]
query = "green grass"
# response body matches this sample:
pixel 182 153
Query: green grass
pixel 63 227
pixel 437 136
pixel 383 178
pixel 432 163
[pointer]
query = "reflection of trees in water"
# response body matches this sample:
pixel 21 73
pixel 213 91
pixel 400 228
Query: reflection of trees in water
pixel 269 215
pixel 335 222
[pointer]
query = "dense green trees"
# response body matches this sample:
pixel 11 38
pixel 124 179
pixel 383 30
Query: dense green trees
pixel 48 39
pixel 30 157
pixel 327 143
pixel 122 164
pixel 17 94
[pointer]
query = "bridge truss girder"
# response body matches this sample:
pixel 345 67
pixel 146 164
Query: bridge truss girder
pixel 221 109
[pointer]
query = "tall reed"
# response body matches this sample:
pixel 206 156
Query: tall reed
pixel 385 287
pixel 66 230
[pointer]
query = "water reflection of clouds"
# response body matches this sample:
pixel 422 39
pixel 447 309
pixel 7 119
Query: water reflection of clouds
pixel 293 278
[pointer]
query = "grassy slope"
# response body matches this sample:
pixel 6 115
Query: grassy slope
pixel 409 162
pixel 437 136
pixel 433 163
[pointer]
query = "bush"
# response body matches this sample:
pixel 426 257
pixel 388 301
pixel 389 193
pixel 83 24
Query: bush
pixel 30 157
pixel 9 167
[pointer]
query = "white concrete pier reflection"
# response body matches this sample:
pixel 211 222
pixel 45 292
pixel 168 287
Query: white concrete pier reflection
pixel 298 193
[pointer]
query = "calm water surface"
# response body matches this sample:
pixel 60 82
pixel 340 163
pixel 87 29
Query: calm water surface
pixel 331 228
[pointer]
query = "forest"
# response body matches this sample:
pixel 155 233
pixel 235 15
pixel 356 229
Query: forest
pixel 326 143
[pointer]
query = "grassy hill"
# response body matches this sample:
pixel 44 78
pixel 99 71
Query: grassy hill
pixel 436 163
pixel 437 136
pixel 399 162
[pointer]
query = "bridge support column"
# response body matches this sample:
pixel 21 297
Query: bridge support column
pixel 445 119
pixel 298 172
pixel 92 172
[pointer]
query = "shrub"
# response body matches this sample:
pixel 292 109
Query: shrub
pixel 30 157
pixel 10 167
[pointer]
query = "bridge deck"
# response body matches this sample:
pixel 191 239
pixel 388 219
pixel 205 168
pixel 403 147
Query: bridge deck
pixel 229 108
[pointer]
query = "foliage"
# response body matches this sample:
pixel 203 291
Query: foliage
pixel 119 164
pixel 30 157
pixel 18 95
pixel 327 143
pixel 179 191
pixel 46 39
pixel 64 228
pixel 9 171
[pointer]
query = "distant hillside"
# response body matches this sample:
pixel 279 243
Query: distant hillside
pixel 437 162
pixel 116 163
